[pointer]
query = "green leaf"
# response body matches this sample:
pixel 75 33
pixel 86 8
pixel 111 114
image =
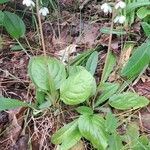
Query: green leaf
pixel 130 17
pixel 132 135
pixel 111 123
pixel 45 105
pixel 107 90
pixel 92 62
pixel 78 88
pixel 128 100
pixel 18 47
pixel 137 62
pixel 4 1
pixel 46 71
pixel 107 30
pixel 93 129
pixel 109 65
pixel 115 142
pixel 40 96
pixel 146 28
pixel 84 110
pixel 144 140
pixel 136 4
pixel 7 103
pixel 14 25
pixel 143 12
pixel 78 60
pixel 142 144
pixel 64 132
pixel 1 17
pixel 74 69
pixel 70 140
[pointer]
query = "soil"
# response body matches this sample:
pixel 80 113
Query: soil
pixel 71 28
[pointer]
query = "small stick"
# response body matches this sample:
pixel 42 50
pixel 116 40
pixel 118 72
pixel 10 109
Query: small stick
pixel 40 27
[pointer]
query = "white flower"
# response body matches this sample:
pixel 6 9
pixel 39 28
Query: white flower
pixel 44 11
pixel 120 19
pixel 28 3
pixel 120 4
pixel 106 8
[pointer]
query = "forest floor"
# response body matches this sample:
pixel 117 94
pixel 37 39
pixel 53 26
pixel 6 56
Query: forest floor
pixel 79 29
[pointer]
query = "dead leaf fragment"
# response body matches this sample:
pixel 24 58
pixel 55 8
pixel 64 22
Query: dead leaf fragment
pixel 78 146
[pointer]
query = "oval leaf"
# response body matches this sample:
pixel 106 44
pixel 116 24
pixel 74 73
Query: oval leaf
pixel 107 90
pixel 143 12
pixel 128 100
pixel 93 129
pixel 138 61
pixel 1 17
pixel 77 88
pixel 92 62
pixel 111 123
pixel 4 1
pixel 64 132
pixel 13 24
pixel 136 4
pixel 45 70
pixel 70 140
pixel 146 28
pixel 109 65
pixel 84 110
pixel 7 103
pixel 74 69
pixel 115 142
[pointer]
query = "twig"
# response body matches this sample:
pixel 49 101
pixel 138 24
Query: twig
pixel 109 44
pixel 40 27
pixel 23 48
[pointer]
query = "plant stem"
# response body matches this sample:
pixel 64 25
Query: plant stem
pixel 109 44
pixel 40 27
pixel 23 48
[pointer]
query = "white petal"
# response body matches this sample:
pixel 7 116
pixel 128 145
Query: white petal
pixel 120 4
pixel 122 19
pixel 28 3
pixel 110 9
pixel 116 19
pixel 104 5
pixel 106 8
pixel 32 3
pixel 44 11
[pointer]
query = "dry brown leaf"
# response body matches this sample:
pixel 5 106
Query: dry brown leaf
pixel 78 146
pixel 125 55
pixel 90 33
pixel 144 120
pixel 65 53
pixel 143 89
pixel 22 143
pixel 14 130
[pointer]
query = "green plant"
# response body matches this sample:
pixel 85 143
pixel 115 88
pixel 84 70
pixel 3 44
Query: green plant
pixel 141 9
pixel 74 85
pixel 12 23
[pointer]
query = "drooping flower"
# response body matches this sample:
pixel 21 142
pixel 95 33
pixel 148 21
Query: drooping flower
pixel 28 3
pixel 44 11
pixel 106 8
pixel 120 19
pixel 120 4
